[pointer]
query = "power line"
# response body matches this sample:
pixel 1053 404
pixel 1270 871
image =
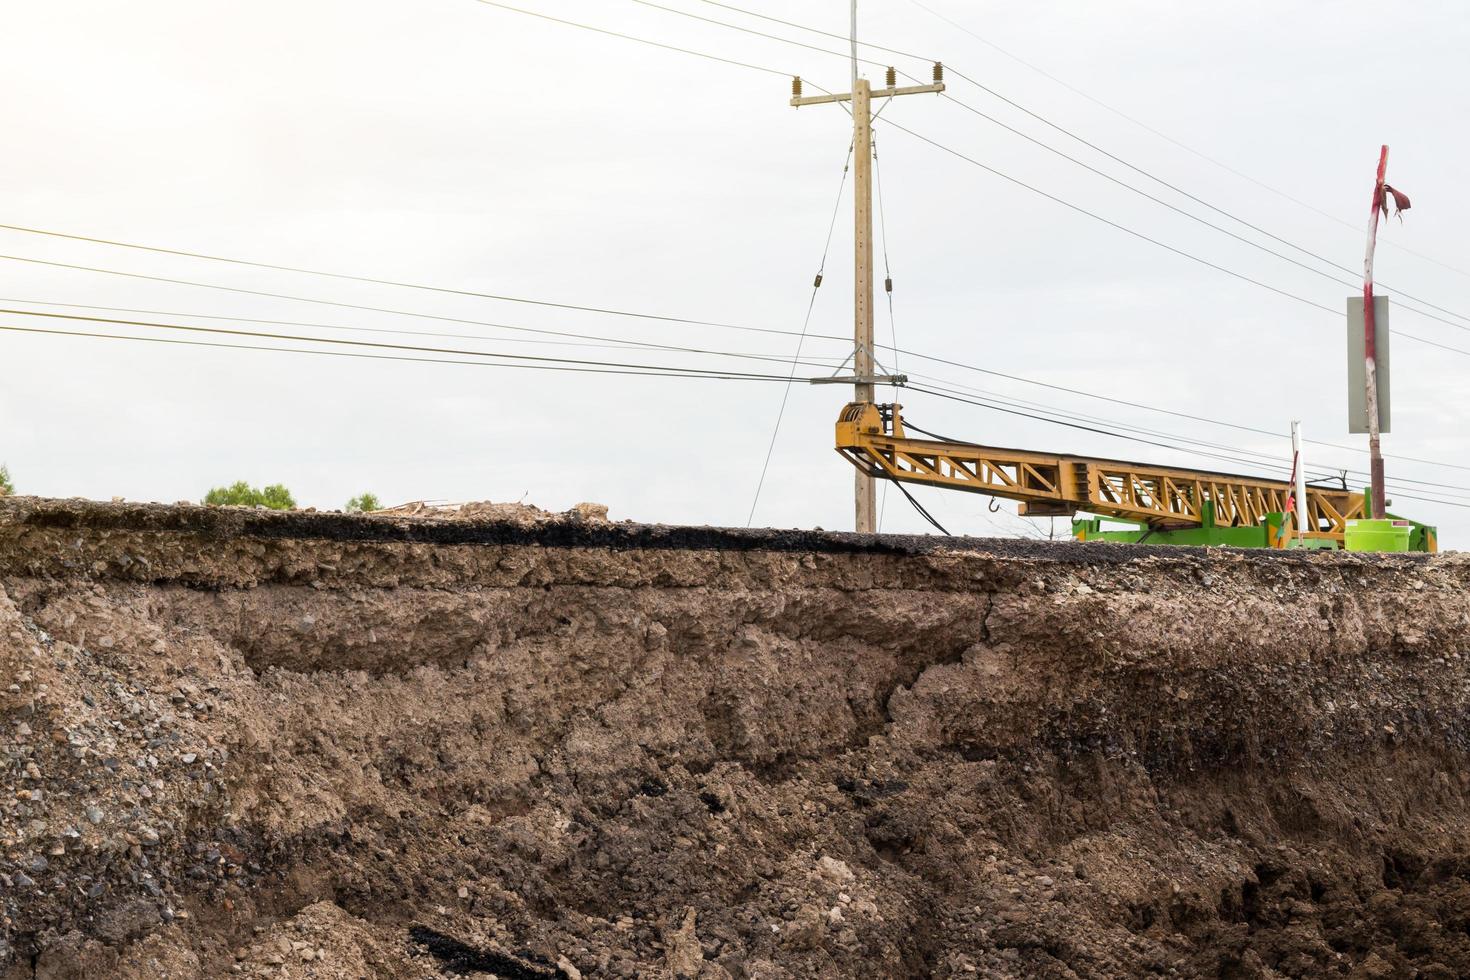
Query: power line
pixel 673 373
pixel 814 30
pixel 905 54
pixel 653 317
pixel 631 37
pixel 608 311
pixel 299 270
pixel 722 354
pixel 612 343
pixel 1021 379
pixel 1169 139
pixel 387 310
pixel 1096 430
pixel 650 316
pixel 746 30
pixel 1153 241
pixel 1191 216
pixel 1072 135
pixel 810 306
pixel 1097 217
pixel 591 367
pixel 578 366
pixel 1116 435
pixel 1323 471
pixel 296 338
pixel 541 331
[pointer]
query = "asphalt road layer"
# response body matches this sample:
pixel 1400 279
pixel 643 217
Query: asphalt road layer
pixel 231 522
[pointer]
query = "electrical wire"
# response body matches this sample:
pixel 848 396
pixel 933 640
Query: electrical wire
pixel 631 37
pixel 1153 241
pixel 1169 139
pixel 972 81
pixel 845 56
pixel 810 306
pixel 1104 432
pixel 675 373
pixel 1097 217
pixel 393 312
pixel 1070 425
pixel 1320 471
pixel 624 313
pixel 612 343
pixel 654 317
pixel 1021 379
pixel 814 30
pixel 1194 217
pixel 1091 145
pixel 615 312
pixel 1181 191
pixel 299 270
pixel 296 338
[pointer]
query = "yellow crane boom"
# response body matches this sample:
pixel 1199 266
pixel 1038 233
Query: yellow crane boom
pixel 1164 498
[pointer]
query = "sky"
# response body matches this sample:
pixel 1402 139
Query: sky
pixel 455 144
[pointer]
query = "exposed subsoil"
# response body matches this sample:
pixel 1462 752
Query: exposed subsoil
pixel 315 745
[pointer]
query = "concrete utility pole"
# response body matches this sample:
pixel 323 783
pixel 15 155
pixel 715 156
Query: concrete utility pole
pixel 864 379
pixel 864 486
pixel 1299 480
pixel 1370 338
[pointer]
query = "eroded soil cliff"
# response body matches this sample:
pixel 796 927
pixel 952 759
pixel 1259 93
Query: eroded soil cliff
pixel 236 743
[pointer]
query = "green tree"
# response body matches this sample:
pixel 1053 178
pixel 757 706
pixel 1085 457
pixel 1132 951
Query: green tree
pixel 277 497
pixel 364 503
pixel 6 487
pixel 242 494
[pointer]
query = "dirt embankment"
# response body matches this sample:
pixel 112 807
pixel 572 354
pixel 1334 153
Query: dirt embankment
pixel 316 746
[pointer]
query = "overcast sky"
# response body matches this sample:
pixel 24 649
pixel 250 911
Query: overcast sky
pixel 451 143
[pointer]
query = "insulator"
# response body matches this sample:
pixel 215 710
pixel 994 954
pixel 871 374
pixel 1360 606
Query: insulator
pixel 796 87
pixel 938 72
pixel 817 283
pixel 888 284
pixel 893 78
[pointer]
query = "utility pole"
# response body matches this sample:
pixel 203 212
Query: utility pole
pixel 1370 337
pixel 864 379
pixel 1299 481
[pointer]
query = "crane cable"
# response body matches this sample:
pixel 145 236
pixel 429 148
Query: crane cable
pixel 806 323
pixel 922 510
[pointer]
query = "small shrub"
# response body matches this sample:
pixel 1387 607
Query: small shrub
pixel 242 494
pixel 6 487
pixel 364 503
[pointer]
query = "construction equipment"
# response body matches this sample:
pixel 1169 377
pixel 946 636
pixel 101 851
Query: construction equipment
pixel 1163 504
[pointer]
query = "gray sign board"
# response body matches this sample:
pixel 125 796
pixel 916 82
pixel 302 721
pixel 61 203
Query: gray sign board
pixel 1358 369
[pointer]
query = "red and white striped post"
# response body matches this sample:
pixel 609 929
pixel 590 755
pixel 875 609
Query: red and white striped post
pixel 1370 353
